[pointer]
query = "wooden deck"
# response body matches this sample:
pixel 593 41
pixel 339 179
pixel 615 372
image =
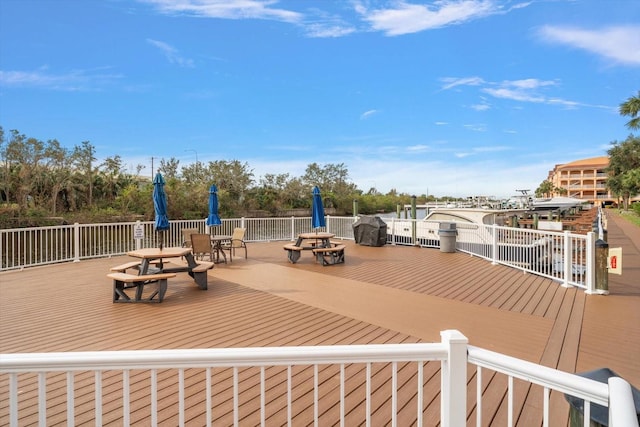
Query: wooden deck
pixel 379 295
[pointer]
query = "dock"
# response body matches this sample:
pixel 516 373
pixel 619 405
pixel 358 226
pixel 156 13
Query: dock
pixel 388 294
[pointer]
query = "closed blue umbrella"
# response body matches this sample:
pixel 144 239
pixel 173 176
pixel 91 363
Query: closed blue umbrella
pixel 213 218
pixel 317 211
pixel 160 206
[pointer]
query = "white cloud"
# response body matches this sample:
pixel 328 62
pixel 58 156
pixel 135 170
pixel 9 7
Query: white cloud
pixel 325 31
pixel 481 107
pixel 368 114
pixel 476 127
pixel 620 44
pixel 420 148
pixel 406 18
pixel 522 90
pixel 451 82
pixel 528 83
pixel 75 80
pixel 489 178
pixel 227 9
pixel 171 54
pixel 513 94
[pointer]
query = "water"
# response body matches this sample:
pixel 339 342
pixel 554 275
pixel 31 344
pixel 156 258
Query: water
pixel 420 214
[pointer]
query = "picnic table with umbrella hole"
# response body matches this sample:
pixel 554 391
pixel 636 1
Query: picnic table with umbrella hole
pixel 319 242
pixel 154 267
pixel 162 271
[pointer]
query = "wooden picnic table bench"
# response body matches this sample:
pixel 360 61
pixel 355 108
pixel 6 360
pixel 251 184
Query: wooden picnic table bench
pixel 122 268
pixel 293 252
pixel 122 281
pixel 307 242
pixel 331 255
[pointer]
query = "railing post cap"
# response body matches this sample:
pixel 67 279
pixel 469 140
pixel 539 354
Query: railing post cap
pixel 453 335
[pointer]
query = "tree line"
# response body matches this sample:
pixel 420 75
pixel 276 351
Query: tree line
pixel 41 180
pixel 44 182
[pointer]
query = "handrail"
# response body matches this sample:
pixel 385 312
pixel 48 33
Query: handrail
pixel 622 409
pixel 453 351
pixel 562 256
pixel 564 382
pixel 219 357
pixel 34 246
pixel 448 349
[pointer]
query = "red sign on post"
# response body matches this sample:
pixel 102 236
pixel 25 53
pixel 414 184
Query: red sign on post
pixel 615 260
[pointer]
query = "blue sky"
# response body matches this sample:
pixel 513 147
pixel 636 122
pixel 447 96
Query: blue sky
pixel 451 97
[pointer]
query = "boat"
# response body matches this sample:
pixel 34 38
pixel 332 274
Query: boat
pixel 483 216
pixel 537 204
pixel 556 203
pixel 475 233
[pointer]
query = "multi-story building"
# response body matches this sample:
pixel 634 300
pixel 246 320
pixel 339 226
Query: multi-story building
pixel 584 179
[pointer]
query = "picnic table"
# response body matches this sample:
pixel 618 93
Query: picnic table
pixel 196 269
pixel 159 272
pixel 320 244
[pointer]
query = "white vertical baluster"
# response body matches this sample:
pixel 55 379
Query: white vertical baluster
pixel 289 396
pixel 154 397
pixel 42 399
pixel 315 395
pixel 479 397
pixel 208 395
pixel 420 392
pixel 342 395
pixel 125 397
pixel 70 400
pixel 510 403
pixel 368 396
pixel 236 415
pixel 394 394
pixel 262 397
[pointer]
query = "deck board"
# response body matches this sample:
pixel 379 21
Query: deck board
pixel 380 295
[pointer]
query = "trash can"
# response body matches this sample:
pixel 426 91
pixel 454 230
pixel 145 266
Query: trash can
pixel 447 232
pixel 599 414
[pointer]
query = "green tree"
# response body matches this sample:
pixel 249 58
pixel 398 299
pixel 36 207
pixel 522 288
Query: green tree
pixel 84 157
pixel 631 108
pixel 169 168
pixel 59 170
pixel 561 191
pixel 333 180
pixel 111 177
pixel 624 163
pixel 545 189
pixel 270 192
pixel 24 156
pixel 230 175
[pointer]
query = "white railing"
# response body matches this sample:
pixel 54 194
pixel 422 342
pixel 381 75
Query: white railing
pixel 566 257
pixel 351 366
pixel 28 247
